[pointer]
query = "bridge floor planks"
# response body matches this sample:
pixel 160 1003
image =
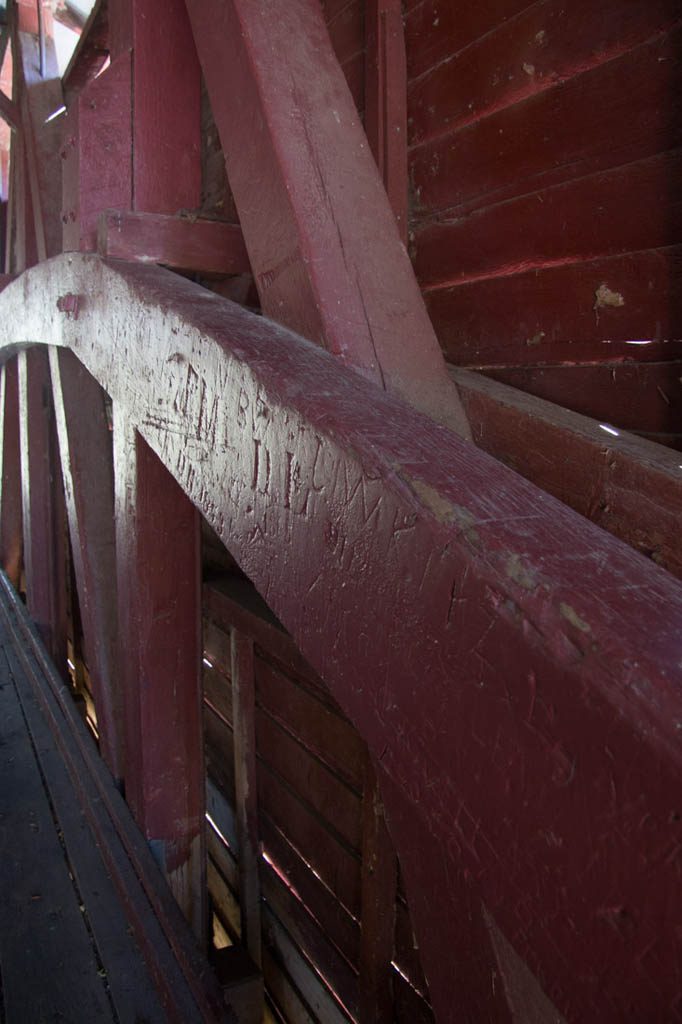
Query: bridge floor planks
pixel 66 949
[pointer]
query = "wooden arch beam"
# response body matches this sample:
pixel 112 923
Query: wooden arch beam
pixel 515 670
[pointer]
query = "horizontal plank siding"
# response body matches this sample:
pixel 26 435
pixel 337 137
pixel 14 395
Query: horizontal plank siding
pixel 347 30
pixel 334 863
pixel 577 221
pixel 324 732
pixel 340 926
pixel 543 45
pixel 645 396
pixel 314 784
pixel 311 775
pixel 437 29
pixel 410 1007
pixel 554 315
pixel 558 134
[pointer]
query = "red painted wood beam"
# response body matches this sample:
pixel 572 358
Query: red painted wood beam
pixel 87 469
pixel 188 243
pixel 9 111
pixel 166 108
pixel 97 154
pixel 42 505
pixel 10 475
pixel 626 485
pixel 379 893
pixel 90 53
pixel 159 615
pixel 514 669
pixel 69 16
pixel 37 97
pixel 246 790
pixel 386 101
pixel 322 239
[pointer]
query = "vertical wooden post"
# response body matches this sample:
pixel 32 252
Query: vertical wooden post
pixel 379 891
pixel 244 724
pixel 166 115
pixel 42 505
pixel 386 101
pixel 158 566
pixel 10 475
pixel 87 467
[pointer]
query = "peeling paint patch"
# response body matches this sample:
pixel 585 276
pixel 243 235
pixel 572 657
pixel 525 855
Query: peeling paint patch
pixel 517 572
pixel 536 339
pixel 604 298
pixel 529 69
pixel 443 510
pixel 572 616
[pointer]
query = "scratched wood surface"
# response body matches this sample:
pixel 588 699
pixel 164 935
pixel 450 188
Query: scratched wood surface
pixel 66 949
pixel 524 207
pixel 315 821
pixel 551 650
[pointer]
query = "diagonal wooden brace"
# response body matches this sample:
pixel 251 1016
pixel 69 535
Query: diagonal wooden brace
pixel 325 250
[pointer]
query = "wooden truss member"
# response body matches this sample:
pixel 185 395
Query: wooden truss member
pixel 521 674
pixel 327 256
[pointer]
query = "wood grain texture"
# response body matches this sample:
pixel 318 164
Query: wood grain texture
pixel 110 957
pixel 528 660
pixel 629 396
pixel 295 818
pixel 38 97
pixel 570 223
pixel 97 154
pixel 9 111
pixel 185 985
pixel 435 30
pixel 558 134
pixel 166 109
pixel 85 445
pixel 544 45
pixel 42 504
pixel 628 486
pixel 340 927
pixel 246 792
pixel 555 314
pixel 188 243
pixel 90 52
pixel 379 892
pixel 326 254
pixel 159 655
pixel 11 532
pixel 39 913
pixel 386 101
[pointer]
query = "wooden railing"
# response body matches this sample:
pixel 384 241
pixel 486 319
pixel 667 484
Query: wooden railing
pixel 514 670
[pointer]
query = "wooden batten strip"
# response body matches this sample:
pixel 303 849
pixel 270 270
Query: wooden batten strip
pixel 244 731
pixel 379 891
pixel 10 475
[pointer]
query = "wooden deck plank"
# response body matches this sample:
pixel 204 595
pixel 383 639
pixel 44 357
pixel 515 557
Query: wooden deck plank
pixel 127 978
pixel 49 966
pixel 187 989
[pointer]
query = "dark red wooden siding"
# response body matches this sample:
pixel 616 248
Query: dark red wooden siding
pixel 545 154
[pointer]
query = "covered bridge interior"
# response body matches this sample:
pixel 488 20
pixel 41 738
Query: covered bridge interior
pixel 341 466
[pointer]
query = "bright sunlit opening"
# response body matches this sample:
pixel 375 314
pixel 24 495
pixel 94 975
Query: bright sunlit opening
pixel 609 430
pixel 55 114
